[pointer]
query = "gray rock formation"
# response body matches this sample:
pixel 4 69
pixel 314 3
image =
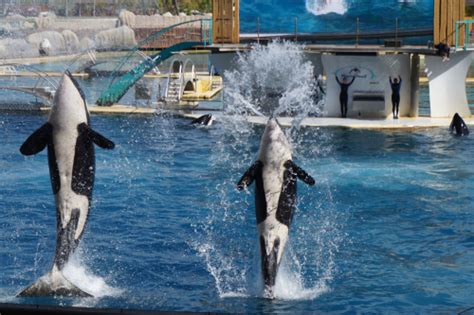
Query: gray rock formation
pixel 122 37
pixel 17 48
pixel 126 18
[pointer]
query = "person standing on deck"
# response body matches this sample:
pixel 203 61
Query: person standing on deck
pixel 343 95
pixel 395 85
pixel 443 50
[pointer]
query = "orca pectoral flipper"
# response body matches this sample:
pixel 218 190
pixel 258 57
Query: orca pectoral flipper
pixel 96 137
pixel 102 141
pixel 37 141
pixel 300 173
pixel 249 175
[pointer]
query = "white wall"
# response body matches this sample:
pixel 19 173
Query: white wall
pixel 448 84
pixel 373 77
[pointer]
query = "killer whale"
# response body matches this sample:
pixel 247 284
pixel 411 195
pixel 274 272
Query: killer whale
pixel 204 120
pixel 275 175
pixel 70 145
pixel 459 126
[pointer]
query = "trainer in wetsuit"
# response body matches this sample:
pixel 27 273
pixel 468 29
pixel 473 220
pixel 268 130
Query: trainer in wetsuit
pixel 343 96
pixel 443 50
pixel 395 84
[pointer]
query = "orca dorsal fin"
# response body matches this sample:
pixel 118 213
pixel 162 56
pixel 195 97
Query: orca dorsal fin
pixel 38 140
pixel 299 172
pixel 249 175
pixel 96 137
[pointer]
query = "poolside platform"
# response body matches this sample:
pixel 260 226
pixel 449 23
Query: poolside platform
pixel 115 109
pixel 353 123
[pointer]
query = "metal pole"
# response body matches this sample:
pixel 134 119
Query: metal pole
pixel 396 29
pixel 296 28
pixel 467 40
pixel 456 41
pixel 357 32
pixel 258 30
pixel 93 9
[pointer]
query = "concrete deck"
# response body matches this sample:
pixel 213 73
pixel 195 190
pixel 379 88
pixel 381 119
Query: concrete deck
pixel 333 48
pixel 148 75
pixel 115 109
pixel 389 123
pixel 402 123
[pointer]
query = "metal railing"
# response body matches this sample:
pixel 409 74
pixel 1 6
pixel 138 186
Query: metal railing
pixel 205 38
pixel 119 84
pixel 359 32
pixel 467 45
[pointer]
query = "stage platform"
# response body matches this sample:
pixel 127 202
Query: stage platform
pixel 389 123
pixel 402 123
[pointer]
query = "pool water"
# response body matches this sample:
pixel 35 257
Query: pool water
pixel 389 226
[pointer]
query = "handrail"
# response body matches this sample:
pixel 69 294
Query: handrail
pixel 206 42
pixel 181 79
pixel 186 62
pixel 211 75
pixel 467 35
pixel 118 89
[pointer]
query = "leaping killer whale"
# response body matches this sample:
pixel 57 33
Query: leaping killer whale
pixel 71 158
pixel 459 126
pixel 275 176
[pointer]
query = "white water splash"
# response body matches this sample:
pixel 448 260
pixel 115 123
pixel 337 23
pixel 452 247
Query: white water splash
pixel 321 7
pixel 76 272
pixel 290 284
pixel 272 80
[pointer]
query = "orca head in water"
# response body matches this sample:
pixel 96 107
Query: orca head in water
pixel 458 126
pixel 204 120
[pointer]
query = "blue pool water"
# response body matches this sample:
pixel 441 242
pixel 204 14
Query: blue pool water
pixel 389 227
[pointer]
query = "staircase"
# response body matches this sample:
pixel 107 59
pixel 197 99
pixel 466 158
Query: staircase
pixel 173 94
pixel 215 84
pixel 120 86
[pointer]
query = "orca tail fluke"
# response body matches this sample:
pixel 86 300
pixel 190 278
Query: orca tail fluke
pixel 53 284
pixel 268 293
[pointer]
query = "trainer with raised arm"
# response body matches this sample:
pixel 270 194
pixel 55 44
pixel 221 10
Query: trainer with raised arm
pixel 395 85
pixel 343 95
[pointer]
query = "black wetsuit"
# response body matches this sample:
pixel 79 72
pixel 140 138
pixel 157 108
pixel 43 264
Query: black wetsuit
pixel 343 96
pixel 395 96
pixel 443 49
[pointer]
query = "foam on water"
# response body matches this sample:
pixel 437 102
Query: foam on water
pixel 321 7
pixel 79 274
pixel 88 282
pixel 290 284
